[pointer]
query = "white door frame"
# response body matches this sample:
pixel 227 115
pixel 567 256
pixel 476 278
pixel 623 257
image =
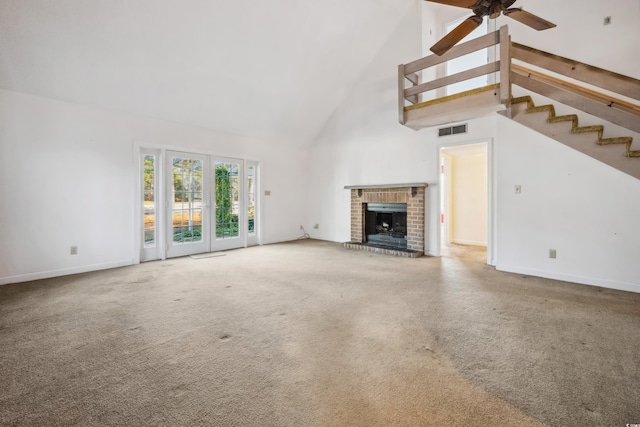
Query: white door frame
pixel 445 198
pixel 163 235
pixel 491 192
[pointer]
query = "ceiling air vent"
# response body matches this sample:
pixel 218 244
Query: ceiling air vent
pixel 452 130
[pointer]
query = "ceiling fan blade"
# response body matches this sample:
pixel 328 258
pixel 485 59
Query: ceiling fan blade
pixel 469 4
pixel 457 34
pixel 529 19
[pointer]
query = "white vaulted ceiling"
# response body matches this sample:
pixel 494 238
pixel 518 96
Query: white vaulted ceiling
pixel 270 69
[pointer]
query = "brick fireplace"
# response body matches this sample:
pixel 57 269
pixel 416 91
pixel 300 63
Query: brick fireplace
pixel 410 195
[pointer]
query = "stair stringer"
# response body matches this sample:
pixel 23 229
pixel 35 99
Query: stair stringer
pixel 615 152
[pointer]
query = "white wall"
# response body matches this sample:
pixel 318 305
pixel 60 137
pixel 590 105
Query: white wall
pixel 68 178
pixel 363 143
pixel 585 210
pixel 468 204
pixel 580 33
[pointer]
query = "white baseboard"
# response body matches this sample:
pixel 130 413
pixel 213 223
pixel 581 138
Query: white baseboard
pixel 62 272
pixel 603 283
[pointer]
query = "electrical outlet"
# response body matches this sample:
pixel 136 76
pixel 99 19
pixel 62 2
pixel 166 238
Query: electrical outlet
pixel 74 250
pixel 517 189
pixel 316 226
pixel 552 253
pixel 607 20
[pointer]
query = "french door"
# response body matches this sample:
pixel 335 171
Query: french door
pixel 194 203
pixel 210 204
pixel 187 204
pixel 229 205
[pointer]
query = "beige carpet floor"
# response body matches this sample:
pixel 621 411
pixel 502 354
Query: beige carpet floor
pixel 310 334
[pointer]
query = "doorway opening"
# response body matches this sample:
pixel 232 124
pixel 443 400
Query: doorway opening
pixel 464 201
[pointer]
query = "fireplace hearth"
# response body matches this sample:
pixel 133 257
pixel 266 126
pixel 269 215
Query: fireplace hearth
pixel 388 219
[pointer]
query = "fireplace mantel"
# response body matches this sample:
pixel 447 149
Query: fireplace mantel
pixel 364 187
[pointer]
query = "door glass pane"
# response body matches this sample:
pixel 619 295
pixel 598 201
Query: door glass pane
pixel 149 200
pixel 227 199
pixel 187 200
pixel 251 191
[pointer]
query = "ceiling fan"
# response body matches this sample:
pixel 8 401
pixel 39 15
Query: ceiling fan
pixel 482 8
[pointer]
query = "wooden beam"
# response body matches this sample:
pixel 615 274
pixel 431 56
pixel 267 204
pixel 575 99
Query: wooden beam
pixel 601 97
pixel 401 74
pixel 414 99
pixel 579 98
pixel 456 51
pixel 595 76
pixel 457 109
pixel 505 69
pixel 413 78
pixel 454 78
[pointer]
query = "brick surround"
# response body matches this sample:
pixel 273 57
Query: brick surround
pixel 411 194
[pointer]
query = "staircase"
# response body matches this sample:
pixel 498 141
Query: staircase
pixel 616 152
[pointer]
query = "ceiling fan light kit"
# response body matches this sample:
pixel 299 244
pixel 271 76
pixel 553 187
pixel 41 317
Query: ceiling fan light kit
pixel 482 8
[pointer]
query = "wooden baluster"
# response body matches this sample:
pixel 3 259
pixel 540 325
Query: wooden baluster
pixel 505 69
pixel 401 94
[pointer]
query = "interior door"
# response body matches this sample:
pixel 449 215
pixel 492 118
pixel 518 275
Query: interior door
pixel 187 202
pixel 229 229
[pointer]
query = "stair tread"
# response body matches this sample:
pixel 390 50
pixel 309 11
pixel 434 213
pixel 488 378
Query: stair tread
pixel 566 118
pixel 586 129
pixel 616 140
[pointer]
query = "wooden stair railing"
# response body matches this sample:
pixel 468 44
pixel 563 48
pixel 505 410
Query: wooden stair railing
pixel 550 75
pixel 411 71
pixel 595 76
pixel 603 105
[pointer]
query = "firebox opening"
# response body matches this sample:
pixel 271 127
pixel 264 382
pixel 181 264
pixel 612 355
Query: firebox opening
pixel 386 224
